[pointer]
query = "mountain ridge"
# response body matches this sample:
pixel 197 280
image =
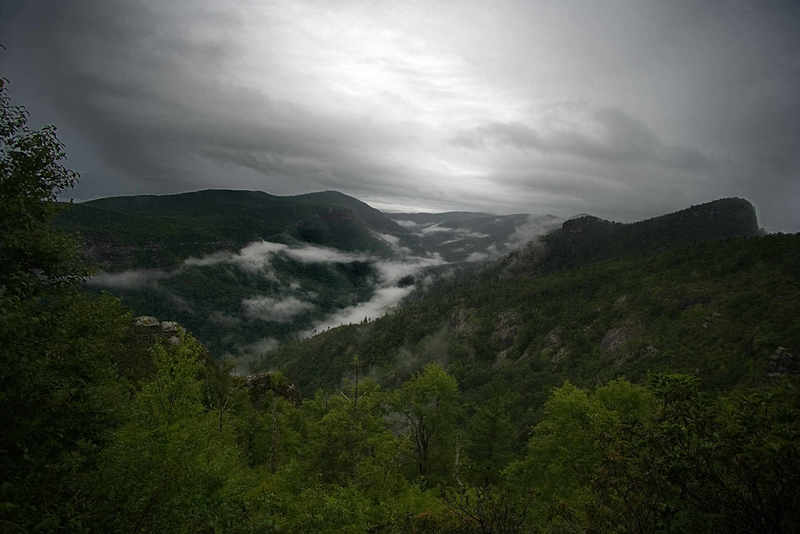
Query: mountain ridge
pixel 188 224
pixel 587 238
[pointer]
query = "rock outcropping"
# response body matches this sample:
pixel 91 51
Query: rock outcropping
pixel 151 326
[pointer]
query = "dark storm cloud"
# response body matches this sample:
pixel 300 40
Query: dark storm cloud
pixel 625 109
pixel 621 138
pixel 157 106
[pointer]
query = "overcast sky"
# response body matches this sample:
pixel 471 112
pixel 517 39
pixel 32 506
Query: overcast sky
pixel 623 109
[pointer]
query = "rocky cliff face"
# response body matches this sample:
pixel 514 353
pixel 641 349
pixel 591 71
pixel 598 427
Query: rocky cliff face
pixel 260 386
pixel 150 326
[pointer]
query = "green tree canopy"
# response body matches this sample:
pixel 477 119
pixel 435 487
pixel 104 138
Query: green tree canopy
pixel 31 177
pixel 429 402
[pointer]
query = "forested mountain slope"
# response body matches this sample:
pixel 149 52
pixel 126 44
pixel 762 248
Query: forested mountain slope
pixel 162 230
pixel 586 238
pixel 723 309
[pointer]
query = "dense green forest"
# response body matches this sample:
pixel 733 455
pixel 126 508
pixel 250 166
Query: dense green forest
pixel 721 310
pixel 652 392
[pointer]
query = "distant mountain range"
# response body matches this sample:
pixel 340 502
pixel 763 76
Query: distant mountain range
pixel 246 270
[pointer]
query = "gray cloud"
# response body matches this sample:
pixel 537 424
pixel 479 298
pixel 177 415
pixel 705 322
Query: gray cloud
pixel 381 302
pixel 132 279
pixel 279 310
pixel 390 272
pixel 477 256
pixel 461 233
pixel 256 257
pixel 608 134
pixel 253 258
pixel 386 295
pixel 532 228
pixel 312 254
pixel 223 319
pixel 623 108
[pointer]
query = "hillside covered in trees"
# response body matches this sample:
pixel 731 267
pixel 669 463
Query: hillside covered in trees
pixel 246 270
pixel 652 389
pixel 667 299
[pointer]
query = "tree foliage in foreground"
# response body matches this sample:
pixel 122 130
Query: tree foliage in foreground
pixel 31 177
pixel 666 458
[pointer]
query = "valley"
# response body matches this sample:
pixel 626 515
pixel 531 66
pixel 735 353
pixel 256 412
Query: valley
pixel 246 271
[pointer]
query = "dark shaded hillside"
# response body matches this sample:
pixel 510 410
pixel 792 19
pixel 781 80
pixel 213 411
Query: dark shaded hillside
pixel 587 238
pixel 669 293
pixel 726 311
pixel 375 219
pixel 161 230
pixel 145 240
